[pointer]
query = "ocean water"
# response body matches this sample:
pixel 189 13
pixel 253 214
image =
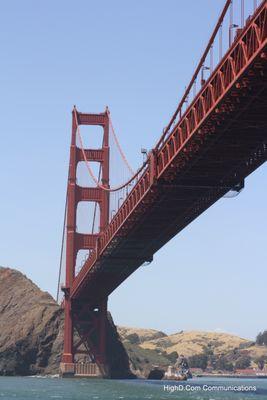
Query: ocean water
pixel 27 388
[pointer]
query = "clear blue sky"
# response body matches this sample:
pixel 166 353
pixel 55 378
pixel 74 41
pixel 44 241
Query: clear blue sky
pixel 135 57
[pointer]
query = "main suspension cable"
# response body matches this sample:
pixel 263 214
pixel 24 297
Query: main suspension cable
pixel 118 145
pixel 107 189
pixel 178 110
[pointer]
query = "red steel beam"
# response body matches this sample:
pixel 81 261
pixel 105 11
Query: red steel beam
pixel 92 119
pixel 96 155
pixel 88 194
pixel 85 241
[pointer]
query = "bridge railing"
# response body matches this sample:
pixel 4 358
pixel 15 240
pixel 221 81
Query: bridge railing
pixel 134 197
pixel 128 206
pixel 248 43
pixel 232 20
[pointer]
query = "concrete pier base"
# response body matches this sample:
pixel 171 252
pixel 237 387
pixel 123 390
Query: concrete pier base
pixel 67 370
pixel 81 370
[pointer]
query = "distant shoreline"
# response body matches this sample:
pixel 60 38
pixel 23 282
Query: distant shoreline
pixel 230 376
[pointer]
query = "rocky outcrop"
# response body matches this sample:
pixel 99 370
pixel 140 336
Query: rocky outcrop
pixel 156 374
pixel 117 356
pixel 30 322
pixel 31 331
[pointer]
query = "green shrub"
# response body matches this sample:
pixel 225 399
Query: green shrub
pixel 133 338
pixel 262 339
pixel 198 361
pixel 243 362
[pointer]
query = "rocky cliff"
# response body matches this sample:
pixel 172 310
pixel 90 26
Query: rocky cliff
pixel 31 330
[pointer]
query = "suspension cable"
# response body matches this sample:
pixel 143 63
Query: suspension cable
pixel 95 206
pixel 62 246
pixel 199 66
pixel 90 169
pixel 118 145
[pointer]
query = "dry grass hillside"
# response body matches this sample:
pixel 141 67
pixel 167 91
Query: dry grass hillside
pixel 195 342
pixel 148 347
pixel 143 334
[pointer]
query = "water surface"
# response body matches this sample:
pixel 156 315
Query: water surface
pixel 27 388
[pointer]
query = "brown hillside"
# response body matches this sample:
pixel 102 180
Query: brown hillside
pixel 195 342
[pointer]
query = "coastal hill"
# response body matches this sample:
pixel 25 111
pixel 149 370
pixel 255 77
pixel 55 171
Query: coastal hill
pixel 31 337
pixel 147 347
pixel 31 323
pixel 144 335
pixel 187 343
pixel 31 330
pixel 195 342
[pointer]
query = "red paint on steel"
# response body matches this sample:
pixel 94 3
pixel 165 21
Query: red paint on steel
pixel 90 171
pixel 78 241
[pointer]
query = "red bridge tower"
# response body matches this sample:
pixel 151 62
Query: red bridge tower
pixel 85 320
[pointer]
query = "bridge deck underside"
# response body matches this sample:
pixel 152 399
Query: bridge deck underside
pixel 234 145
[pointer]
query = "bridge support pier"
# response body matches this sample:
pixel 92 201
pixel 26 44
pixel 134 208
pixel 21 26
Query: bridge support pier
pixel 67 367
pixel 90 323
pixel 85 339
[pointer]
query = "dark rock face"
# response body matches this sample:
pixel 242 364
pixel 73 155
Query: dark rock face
pixel 31 331
pixel 29 326
pixel 117 356
pixel 156 374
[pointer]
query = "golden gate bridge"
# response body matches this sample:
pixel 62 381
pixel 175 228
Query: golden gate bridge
pixel 214 140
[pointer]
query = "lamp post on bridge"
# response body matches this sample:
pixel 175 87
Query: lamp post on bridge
pixel 231 27
pixel 119 201
pixel 204 68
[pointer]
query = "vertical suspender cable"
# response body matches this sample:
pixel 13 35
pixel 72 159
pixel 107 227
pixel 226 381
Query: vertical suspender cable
pixel 62 246
pixel 178 110
pixel 211 58
pixel 242 13
pixel 231 23
pixel 220 42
